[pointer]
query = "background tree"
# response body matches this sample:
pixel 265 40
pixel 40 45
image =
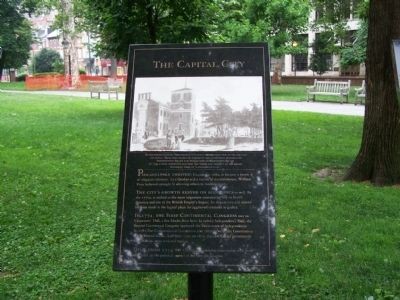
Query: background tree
pixel 121 23
pixel 378 159
pixel 47 60
pixel 15 34
pixel 220 117
pixel 276 21
pixel 332 15
pixel 66 20
pixel 255 120
pixel 331 20
pixel 322 50
pixel 224 119
pixel 356 52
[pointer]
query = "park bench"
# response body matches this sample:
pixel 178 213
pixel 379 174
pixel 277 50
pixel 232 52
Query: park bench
pixel 360 93
pixel 334 88
pixel 110 86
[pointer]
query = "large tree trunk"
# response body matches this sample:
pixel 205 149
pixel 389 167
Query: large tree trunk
pixel 2 60
pixel 71 64
pixel 378 160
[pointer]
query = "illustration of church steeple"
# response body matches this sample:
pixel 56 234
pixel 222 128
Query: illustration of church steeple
pixel 183 109
pixel 182 99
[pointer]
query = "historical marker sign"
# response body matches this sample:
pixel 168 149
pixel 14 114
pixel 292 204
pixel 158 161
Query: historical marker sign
pixel 196 176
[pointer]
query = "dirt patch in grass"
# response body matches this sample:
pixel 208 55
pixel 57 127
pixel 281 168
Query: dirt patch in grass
pixel 335 174
pixel 7 274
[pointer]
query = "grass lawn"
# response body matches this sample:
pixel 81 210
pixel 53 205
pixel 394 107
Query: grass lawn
pixel 290 92
pixel 59 161
pixel 15 86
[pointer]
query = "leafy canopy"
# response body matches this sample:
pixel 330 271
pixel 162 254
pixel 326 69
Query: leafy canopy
pixel 16 34
pixel 356 53
pixel 124 22
pixel 274 21
pixel 121 23
pixel 322 47
pixel 332 16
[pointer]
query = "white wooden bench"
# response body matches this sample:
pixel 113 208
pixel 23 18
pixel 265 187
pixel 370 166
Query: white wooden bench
pixel 333 88
pixel 360 93
pixel 110 86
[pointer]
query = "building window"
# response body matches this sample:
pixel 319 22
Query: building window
pixel 300 48
pixel 180 126
pixel 346 9
pixel 180 116
pixel 300 62
pixel 349 38
pixel 187 96
pixel 329 61
pixel 176 97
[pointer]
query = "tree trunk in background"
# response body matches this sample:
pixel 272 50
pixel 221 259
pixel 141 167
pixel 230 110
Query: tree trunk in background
pixel 113 71
pixel 277 74
pixel 378 159
pixel 151 18
pixel 2 65
pixel 71 63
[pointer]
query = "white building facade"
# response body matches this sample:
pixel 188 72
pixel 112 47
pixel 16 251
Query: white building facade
pixel 298 64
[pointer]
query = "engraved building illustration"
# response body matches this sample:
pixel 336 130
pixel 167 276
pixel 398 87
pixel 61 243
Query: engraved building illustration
pixel 154 118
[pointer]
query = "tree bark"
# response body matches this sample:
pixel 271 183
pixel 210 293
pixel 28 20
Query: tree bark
pixel 378 159
pixel 2 60
pixel 151 24
pixel 71 63
pixel 113 73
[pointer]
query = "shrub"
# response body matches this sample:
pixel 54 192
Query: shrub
pixel 47 60
pixel 58 66
pixel 44 74
pixel 21 77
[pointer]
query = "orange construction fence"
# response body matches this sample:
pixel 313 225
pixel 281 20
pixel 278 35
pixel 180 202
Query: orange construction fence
pixel 46 82
pixel 59 82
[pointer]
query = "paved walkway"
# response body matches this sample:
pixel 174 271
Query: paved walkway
pixel 318 107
